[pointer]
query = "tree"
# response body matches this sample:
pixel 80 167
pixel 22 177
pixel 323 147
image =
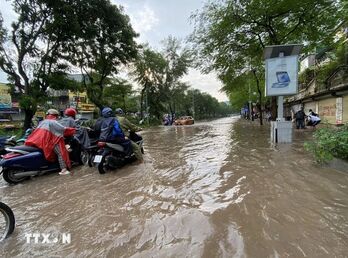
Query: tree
pixel 31 52
pixel 117 93
pixel 230 35
pixel 148 71
pixel 49 38
pixel 105 41
pixel 178 60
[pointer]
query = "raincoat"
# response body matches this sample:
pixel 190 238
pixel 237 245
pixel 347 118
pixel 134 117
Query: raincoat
pixel 48 134
pixel 128 127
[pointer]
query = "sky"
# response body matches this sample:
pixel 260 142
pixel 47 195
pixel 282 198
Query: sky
pixel 155 20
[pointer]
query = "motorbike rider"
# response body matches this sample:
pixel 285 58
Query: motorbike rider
pixel 49 136
pixel 128 128
pixel 112 132
pixel 69 118
pixel 81 136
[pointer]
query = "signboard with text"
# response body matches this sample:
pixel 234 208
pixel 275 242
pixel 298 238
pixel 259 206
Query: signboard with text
pixel 281 76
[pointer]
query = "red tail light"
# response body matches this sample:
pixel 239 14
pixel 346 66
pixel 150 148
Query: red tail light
pixel 11 155
pixel 101 144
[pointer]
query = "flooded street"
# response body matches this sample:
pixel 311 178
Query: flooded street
pixel 215 189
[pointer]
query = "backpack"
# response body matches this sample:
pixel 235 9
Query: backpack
pixel 111 129
pixel 117 131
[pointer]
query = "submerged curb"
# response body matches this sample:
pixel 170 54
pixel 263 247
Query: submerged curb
pixel 338 164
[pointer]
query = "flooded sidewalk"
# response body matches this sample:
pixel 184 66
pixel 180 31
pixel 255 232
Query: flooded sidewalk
pixel 216 189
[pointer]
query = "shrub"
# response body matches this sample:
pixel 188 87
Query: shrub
pixel 329 143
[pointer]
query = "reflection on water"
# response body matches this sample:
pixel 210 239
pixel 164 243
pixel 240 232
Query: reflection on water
pixel 207 190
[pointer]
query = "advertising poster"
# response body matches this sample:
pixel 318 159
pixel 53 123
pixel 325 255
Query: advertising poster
pixel 281 76
pixel 5 97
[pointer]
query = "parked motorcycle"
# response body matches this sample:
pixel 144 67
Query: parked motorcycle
pixel 21 141
pixel 22 162
pixel 6 142
pixel 112 156
pixel 7 223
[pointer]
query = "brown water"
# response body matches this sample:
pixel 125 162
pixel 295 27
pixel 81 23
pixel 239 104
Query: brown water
pixel 207 190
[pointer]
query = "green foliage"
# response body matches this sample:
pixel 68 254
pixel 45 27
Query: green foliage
pixel 49 37
pixel 119 94
pixel 306 76
pixel 230 35
pixel 159 75
pixel 329 143
pixel 322 72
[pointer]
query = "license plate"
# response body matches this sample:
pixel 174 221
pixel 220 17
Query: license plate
pixel 98 158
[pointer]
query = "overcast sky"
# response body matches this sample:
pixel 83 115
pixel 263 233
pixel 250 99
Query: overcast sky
pixel 155 20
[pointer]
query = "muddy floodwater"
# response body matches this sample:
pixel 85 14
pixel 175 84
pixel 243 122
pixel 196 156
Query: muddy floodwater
pixel 213 189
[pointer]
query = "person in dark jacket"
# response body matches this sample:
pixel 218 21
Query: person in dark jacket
pixel 128 128
pixel 300 119
pixel 110 131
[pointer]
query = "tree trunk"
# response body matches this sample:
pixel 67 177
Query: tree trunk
pixel 29 114
pixel 260 108
pixel 142 104
pixel 260 95
pixel 274 108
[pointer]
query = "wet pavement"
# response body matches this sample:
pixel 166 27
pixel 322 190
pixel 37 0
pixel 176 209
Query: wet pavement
pixel 216 189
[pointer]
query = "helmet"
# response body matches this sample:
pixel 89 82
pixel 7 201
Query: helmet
pixel 70 112
pixel 53 112
pixel 119 111
pixel 107 112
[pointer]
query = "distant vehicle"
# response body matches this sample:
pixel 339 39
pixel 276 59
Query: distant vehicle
pixel 184 120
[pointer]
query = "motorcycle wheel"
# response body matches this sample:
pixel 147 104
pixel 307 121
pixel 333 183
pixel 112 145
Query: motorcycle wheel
pixel 90 160
pixel 9 221
pixel 103 166
pixel 84 158
pixel 8 175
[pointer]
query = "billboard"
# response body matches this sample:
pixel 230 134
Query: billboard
pixel 281 76
pixel 5 97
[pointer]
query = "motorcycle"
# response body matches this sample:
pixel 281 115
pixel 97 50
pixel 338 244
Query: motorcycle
pixel 7 224
pixel 112 155
pixel 6 142
pixel 25 136
pixel 23 161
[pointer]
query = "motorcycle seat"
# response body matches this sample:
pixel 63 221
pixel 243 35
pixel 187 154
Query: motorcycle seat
pixel 115 146
pixel 26 148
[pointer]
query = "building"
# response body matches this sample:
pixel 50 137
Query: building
pixel 330 102
pixel 328 98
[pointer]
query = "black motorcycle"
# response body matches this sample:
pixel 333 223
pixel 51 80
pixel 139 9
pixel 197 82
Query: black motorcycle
pixel 113 156
pixel 7 221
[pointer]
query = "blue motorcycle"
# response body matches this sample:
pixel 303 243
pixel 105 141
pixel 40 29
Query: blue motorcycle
pixel 22 162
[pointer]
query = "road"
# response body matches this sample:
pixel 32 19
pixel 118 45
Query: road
pixel 213 189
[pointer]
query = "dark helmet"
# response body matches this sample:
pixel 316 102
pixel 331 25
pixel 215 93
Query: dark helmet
pixel 119 111
pixel 107 112
pixel 70 112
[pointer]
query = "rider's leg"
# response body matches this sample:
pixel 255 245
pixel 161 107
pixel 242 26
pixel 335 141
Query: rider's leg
pixel 62 165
